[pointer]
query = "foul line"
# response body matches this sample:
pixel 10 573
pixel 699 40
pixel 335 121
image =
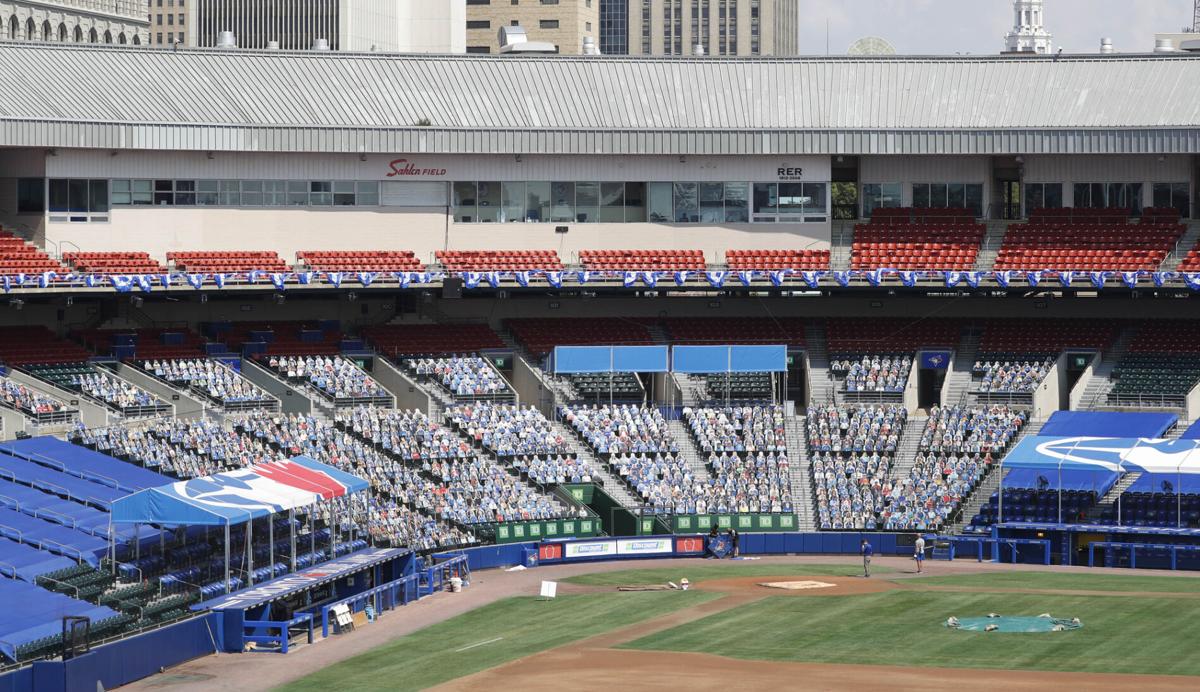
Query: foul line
pixel 478 644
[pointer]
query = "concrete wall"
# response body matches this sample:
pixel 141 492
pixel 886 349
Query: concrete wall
pixel 1046 397
pixel 13 421
pixel 529 387
pixel 912 389
pixel 292 400
pixel 1192 404
pixel 408 393
pixel 183 403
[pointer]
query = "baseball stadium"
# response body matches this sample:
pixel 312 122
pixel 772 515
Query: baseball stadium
pixel 351 370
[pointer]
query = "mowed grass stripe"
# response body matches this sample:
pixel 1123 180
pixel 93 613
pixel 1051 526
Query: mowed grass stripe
pixel 905 628
pixel 518 626
pixel 712 569
pixel 1066 582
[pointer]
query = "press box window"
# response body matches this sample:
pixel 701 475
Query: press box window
pixel 31 195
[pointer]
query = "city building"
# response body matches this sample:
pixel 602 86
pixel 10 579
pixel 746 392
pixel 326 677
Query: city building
pixel 614 27
pixel 168 22
pixel 119 22
pixel 394 26
pixel 1029 33
pixel 714 27
pixel 564 23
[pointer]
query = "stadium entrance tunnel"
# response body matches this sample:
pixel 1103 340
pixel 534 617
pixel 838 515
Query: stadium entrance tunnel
pixel 1015 624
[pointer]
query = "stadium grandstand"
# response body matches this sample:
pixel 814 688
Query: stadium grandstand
pixel 277 356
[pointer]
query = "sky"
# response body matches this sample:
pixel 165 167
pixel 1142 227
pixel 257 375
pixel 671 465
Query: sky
pixel 979 26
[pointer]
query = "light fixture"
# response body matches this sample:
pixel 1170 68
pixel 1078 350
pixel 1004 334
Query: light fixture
pixel 280 299
pixel 351 296
pixel 1020 159
pixel 211 156
pixel 16 304
pixel 362 156
pixel 518 158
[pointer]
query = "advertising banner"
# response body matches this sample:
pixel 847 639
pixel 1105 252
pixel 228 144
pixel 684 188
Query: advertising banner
pixel 590 549
pixel 645 546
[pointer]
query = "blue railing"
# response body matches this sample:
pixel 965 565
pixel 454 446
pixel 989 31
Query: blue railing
pixel 383 597
pixel 283 638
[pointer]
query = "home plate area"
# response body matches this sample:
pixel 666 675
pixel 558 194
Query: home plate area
pixel 797 585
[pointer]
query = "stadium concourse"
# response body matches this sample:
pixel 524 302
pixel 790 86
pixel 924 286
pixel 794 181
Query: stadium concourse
pixel 835 313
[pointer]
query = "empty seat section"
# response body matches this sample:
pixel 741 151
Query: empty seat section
pixel 360 260
pixel 142 343
pixel 735 330
pixel 113 262
pixel 916 246
pixel 498 260
pixel 281 338
pixel 769 260
pixel 431 339
pixel 1092 242
pixel 541 335
pixel 643 260
pixel 227 261
pixel 876 355
pixel 25 345
pixel 20 257
pixel 1161 365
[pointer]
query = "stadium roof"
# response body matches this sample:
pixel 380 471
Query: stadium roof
pixel 131 98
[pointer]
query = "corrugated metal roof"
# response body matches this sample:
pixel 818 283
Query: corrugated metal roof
pixel 258 100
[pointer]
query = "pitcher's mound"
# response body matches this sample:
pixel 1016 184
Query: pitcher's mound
pixel 797 585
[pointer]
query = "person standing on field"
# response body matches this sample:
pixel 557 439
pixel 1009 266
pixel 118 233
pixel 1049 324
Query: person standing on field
pixel 867 551
pixel 919 552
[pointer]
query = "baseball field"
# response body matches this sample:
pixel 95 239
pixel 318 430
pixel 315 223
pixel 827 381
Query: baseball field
pixel 840 632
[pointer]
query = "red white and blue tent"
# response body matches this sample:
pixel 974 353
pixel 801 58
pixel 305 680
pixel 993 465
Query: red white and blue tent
pixel 235 497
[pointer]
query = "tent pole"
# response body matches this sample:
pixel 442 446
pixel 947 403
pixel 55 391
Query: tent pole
pixel 292 534
pixel 250 551
pixel 1000 514
pixel 1060 492
pixel 271 543
pixel 137 542
pixel 312 530
pixel 226 556
pixel 1178 501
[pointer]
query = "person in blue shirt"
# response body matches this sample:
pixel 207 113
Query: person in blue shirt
pixel 867 551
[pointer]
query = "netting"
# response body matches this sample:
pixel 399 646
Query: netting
pixel 1006 623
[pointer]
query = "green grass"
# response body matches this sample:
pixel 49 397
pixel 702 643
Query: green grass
pixel 718 570
pixel 527 625
pixel 1068 582
pixel 1120 634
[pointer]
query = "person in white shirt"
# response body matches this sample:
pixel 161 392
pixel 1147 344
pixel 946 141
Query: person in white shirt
pixel 919 552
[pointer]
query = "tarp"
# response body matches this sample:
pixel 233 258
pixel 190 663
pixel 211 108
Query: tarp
pixel 1144 455
pixel 597 359
pixel 31 612
pixel 58 483
pixel 235 497
pixel 723 359
pixel 1108 424
pixel 28 563
pixel 84 463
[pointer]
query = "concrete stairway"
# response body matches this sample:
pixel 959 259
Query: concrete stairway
pixel 688 451
pixel 1098 384
pixel 1190 237
pixel 693 388
pixel 993 238
pixel 958 385
pixel 906 447
pixel 841 241
pixel 823 388
pixel 1109 501
pixel 803 497
pixel 613 484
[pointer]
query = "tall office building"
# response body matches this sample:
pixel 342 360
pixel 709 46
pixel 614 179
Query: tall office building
pixel 565 23
pixel 614 27
pixel 401 26
pixel 168 19
pixel 718 27
pixel 119 22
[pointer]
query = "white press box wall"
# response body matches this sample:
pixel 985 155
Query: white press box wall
pixel 414 193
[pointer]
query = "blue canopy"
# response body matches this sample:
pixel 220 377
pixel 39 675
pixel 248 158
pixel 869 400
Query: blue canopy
pixel 235 497
pixel 1145 455
pixel 84 463
pixel 724 359
pixel 598 359
pixel 1108 424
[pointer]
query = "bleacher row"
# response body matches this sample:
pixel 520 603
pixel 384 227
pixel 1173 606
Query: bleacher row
pixel 899 238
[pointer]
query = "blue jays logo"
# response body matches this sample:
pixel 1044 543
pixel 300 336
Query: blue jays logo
pixel 1119 454
pixel 233 490
pixel 937 360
